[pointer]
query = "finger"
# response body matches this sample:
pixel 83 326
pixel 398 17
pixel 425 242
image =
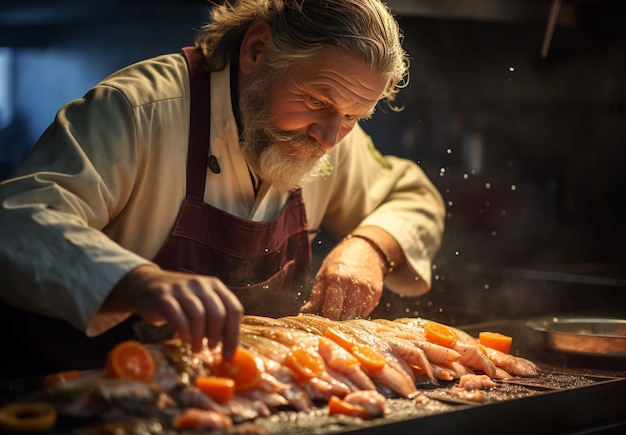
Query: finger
pixel 333 301
pixel 316 299
pixel 358 302
pixel 214 315
pixel 195 314
pixel 231 324
pixel 169 310
pixel 350 309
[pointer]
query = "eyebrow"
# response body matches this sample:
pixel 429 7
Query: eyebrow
pixel 326 92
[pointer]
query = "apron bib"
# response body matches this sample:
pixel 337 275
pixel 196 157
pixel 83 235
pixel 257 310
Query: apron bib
pixel 266 264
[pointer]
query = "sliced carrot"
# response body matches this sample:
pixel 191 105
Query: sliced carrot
pixel 440 334
pixel 307 363
pixel 338 406
pixel 495 341
pixel 130 360
pixel 242 368
pixel 218 388
pixel 339 337
pixel 60 377
pixel 368 357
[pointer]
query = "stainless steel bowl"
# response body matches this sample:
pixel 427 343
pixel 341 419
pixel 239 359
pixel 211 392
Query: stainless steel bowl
pixel 594 336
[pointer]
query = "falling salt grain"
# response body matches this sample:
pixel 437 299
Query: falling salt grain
pixel 511 69
pixel 456 253
pixel 486 286
pixel 513 187
pixel 487 185
pixel 450 203
pixel 465 176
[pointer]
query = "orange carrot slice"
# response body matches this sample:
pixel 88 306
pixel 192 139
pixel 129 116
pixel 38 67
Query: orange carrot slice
pixel 339 337
pixel 242 369
pixel 307 363
pixel 218 388
pixel 130 360
pixel 339 406
pixel 60 377
pixel 440 334
pixel 369 358
pixel 495 341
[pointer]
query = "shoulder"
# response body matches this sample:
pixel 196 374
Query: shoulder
pixel 161 78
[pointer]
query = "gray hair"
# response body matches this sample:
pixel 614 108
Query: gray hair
pixel 365 28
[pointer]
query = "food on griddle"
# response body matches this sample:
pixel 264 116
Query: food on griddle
pixel 495 340
pixel 298 362
pixel 22 417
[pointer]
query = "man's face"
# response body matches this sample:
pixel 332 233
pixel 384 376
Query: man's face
pixel 291 121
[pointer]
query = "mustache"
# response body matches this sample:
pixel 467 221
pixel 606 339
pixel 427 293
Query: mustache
pixel 277 136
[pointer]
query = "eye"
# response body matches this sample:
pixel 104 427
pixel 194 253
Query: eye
pixel 315 101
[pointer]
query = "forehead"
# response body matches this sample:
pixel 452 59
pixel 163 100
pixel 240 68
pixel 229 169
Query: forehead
pixel 340 76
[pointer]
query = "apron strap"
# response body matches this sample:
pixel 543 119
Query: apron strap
pixel 199 122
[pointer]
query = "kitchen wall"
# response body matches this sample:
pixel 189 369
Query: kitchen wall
pixel 527 151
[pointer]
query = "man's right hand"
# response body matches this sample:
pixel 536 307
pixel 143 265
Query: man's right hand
pixel 195 306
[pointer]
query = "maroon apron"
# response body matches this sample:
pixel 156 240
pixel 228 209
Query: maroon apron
pixel 266 264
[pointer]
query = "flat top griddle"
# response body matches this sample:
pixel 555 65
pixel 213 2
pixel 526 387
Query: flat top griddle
pixel 570 394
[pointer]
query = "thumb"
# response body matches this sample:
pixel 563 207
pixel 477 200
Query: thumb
pixel 316 299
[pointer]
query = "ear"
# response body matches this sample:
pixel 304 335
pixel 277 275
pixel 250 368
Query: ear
pixel 253 46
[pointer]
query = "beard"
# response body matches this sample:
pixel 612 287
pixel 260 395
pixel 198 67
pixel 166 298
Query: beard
pixel 285 159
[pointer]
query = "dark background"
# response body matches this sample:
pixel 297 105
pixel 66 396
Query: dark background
pixel 527 150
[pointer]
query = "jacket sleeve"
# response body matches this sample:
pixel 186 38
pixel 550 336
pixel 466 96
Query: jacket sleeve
pixel 54 258
pixel 392 193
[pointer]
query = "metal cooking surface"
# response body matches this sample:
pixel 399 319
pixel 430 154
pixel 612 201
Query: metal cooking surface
pixel 571 394
pixel 527 405
pixel 443 407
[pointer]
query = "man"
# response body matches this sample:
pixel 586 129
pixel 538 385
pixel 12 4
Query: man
pixel 185 189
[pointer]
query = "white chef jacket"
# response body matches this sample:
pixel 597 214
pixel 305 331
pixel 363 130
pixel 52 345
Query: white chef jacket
pixel 100 191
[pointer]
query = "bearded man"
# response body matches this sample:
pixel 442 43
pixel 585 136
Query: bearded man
pixel 186 189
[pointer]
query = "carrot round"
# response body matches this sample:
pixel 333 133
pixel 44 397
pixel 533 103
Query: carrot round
pixel 495 341
pixel 440 334
pixel 339 406
pixel 60 377
pixel 130 360
pixel 369 358
pixel 307 363
pixel 241 368
pixel 219 388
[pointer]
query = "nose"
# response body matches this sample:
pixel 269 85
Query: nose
pixel 326 131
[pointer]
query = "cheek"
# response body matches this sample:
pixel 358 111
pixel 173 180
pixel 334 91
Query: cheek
pixel 287 111
pixel 290 117
pixel 344 132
